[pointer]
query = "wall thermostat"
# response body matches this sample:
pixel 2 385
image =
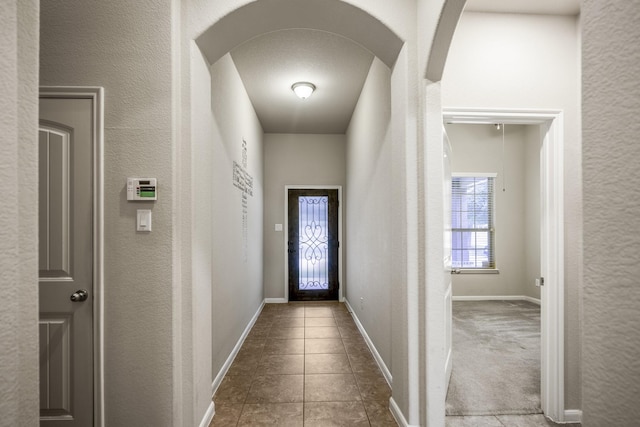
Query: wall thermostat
pixel 142 189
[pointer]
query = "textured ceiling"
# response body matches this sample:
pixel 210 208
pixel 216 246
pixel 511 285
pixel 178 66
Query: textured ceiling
pixel 271 63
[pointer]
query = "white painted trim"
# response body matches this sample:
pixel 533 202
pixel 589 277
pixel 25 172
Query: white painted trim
pixel 275 301
pixel 96 95
pixel 504 116
pixel 552 242
pixel 208 416
pixel 227 364
pixel 474 174
pixel 496 298
pixel 398 415
pixel 448 360
pixel 572 416
pixel 383 367
pixel 552 269
pixel 286 234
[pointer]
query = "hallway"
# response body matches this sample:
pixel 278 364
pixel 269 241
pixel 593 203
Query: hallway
pixel 303 364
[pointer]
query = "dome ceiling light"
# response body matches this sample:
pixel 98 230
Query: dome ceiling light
pixel 303 89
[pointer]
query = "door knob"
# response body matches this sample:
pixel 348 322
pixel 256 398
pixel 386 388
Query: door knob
pixel 78 296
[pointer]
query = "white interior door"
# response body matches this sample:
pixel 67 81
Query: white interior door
pixel 448 291
pixel 66 261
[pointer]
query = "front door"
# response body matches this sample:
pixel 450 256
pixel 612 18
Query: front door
pixel 66 261
pixel 313 244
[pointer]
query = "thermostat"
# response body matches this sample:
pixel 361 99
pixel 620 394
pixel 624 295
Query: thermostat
pixel 142 189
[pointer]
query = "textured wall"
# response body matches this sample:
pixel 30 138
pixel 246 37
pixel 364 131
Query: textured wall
pixel 368 197
pixel 18 218
pixel 125 47
pixel 237 260
pixel 201 180
pixel 401 130
pixel 292 159
pixel 530 61
pixel 611 153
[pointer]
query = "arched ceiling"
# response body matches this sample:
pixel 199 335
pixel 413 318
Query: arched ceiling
pixel 275 43
pixel 332 16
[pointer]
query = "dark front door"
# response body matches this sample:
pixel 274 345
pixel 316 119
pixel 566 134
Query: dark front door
pixel 313 244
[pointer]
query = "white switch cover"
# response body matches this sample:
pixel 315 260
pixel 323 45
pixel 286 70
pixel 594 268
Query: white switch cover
pixel 278 227
pixel 144 220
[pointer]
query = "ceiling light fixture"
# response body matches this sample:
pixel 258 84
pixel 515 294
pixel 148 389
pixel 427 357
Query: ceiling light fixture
pixel 303 89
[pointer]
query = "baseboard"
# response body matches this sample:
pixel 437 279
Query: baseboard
pixel 383 367
pixel 227 364
pixel 531 299
pixel 208 416
pixel 496 298
pixel 275 301
pixel 572 416
pixel 398 415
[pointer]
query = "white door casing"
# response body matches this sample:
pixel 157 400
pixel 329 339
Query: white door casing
pixel 448 290
pixel 551 243
pixel 70 256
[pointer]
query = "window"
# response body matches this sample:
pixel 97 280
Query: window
pixel 472 215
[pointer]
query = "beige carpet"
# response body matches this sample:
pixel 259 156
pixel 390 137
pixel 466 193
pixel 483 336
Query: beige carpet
pixel 496 358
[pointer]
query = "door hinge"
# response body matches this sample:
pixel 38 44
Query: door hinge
pixel 539 281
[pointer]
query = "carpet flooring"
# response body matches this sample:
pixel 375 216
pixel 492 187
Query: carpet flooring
pixel 496 358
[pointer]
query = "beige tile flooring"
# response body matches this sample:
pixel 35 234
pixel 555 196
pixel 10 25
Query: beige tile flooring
pixel 303 364
pixel 306 364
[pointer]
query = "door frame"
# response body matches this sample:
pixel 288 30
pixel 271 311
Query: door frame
pixel 96 95
pixel 551 243
pixel 286 235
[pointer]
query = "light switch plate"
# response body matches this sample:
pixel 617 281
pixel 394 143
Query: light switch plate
pixel 143 222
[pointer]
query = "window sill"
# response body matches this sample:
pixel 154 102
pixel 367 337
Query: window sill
pixel 475 271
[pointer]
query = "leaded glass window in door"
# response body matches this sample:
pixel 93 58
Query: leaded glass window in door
pixel 312 244
pixel 313 239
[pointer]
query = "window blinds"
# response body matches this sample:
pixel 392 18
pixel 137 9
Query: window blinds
pixel 472 221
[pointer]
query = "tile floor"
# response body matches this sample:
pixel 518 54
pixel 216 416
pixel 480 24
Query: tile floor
pixel 306 364
pixel 303 364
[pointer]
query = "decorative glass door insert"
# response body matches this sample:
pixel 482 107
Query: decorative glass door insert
pixel 313 244
pixel 313 239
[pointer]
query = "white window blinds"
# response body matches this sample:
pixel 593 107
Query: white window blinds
pixel 472 222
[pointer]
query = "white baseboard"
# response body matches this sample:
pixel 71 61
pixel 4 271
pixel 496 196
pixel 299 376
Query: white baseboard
pixel 398 415
pixel 531 299
pixel 383 367
pixel 208 416
pixel 572 416
pixel 496 298
pixel 234 352
pixel 275 301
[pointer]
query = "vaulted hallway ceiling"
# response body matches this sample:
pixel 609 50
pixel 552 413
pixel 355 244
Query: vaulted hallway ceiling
pixel 271 62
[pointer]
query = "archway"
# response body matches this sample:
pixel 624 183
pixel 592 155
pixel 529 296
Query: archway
pixel 334 16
